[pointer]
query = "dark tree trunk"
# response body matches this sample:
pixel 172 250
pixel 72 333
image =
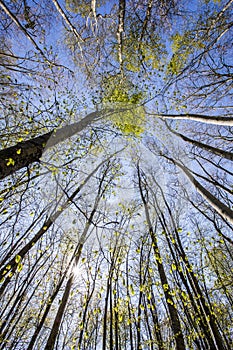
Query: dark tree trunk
pixel 27 152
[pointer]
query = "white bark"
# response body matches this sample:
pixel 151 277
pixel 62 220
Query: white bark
pixel 215 120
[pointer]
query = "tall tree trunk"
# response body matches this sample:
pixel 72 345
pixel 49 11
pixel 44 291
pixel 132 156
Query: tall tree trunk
pixel 116 325
pixel 68 22
pixel 208 319
pixel 21 27
pixel 84 317
pixel 208 119
pixel 215 150
pixel 175 322
pixel 57 322
pixel 131 338
pixel 139 315
pixel 104 341
pixel 15 313
pixel 61 310
pixel 120 30
pixel 154 314
pixel 220 207
pixel 27 152
pixel 111 324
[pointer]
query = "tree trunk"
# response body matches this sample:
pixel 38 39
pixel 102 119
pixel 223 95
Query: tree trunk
pixel 27 152
pixel 220 207
pixel 59 315
pixel 216 120
pixel 175 322
pixel 217 151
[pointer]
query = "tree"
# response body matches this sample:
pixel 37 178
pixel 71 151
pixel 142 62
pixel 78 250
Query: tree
pixel 116 175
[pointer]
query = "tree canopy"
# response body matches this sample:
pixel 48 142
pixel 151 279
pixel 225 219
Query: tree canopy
pixel 116 196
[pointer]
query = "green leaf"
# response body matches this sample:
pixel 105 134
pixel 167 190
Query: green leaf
pixel 17 258
pixel 19 267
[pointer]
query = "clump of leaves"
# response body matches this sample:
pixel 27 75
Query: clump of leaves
pixel 129 116
pixel 183 45
pixel 147 54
